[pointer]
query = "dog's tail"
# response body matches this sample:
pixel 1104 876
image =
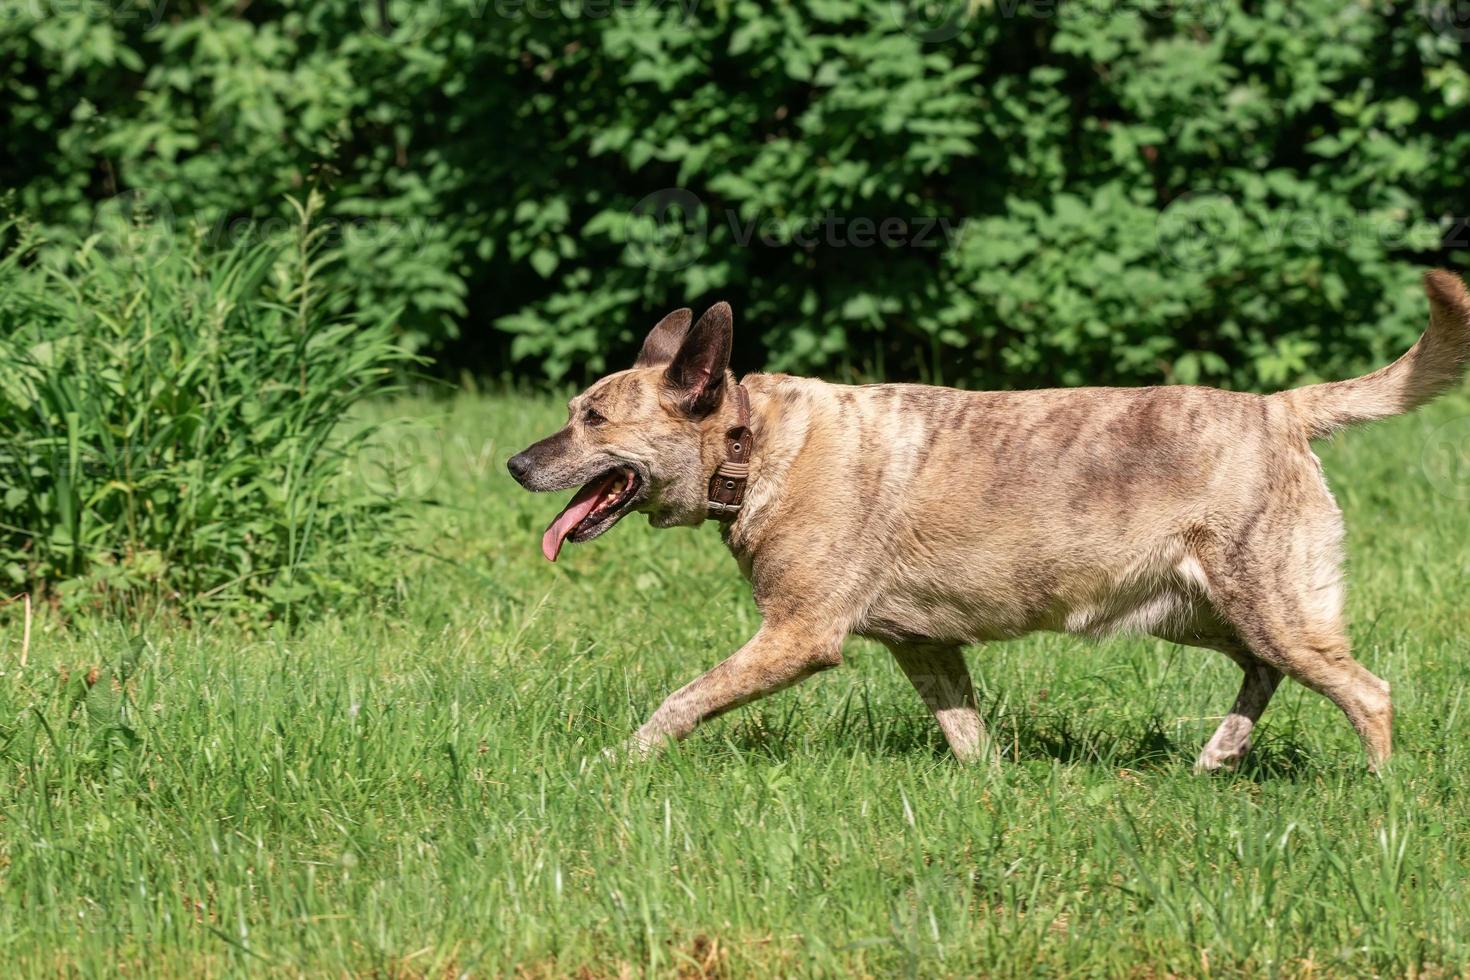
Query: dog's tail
pixel 1431 367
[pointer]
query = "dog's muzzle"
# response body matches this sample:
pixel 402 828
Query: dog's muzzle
pixel 520 467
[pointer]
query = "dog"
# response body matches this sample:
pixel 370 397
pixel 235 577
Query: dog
pixel 931 518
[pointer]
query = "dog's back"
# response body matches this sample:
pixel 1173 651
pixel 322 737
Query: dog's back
pixel 976 515
pixel 964 516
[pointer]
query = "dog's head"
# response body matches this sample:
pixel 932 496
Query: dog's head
pixel 639 439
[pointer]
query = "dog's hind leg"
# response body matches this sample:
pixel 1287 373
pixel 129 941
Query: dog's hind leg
pixel 1232 740
pixel 779 655
pixel 938 673
pixel 1318 656
pixel 1281 589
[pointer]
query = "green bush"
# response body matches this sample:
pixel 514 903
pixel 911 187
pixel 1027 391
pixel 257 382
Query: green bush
pixel 1101 190
pixel 174 425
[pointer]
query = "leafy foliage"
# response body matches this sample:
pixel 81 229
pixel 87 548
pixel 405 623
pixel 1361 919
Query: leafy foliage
pixel 171 425
pixel 1124 190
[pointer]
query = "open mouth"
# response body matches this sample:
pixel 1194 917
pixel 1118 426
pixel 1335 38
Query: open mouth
pixel 596 507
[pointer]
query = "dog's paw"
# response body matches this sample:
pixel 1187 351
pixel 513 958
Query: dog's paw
pixel 634 749
pixel 1213 760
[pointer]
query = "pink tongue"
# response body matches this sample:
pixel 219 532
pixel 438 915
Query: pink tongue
pixel 582 504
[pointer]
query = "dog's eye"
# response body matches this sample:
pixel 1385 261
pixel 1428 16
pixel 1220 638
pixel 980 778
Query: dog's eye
pixel 593 417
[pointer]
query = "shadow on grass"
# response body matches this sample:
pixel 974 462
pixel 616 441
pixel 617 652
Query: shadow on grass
pixel 1023 737
pixel 1151 748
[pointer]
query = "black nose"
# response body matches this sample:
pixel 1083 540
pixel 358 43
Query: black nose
pixel 519 466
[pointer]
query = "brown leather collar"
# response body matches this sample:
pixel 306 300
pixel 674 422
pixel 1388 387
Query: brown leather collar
pixel 727 486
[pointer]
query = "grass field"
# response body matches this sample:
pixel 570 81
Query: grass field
pixel 415 792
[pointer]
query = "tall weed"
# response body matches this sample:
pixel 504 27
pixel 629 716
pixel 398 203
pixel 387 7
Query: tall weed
pixel 175 424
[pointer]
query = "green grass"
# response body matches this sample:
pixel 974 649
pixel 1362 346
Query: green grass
pixel 415 791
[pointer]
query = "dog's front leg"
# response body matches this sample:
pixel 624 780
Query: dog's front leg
pixel 939 674
pixel 779 655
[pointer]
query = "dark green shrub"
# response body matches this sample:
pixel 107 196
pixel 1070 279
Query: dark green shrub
pixel 174 425
pixel 1135 190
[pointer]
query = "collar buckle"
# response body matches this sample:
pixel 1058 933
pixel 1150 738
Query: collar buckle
pixel 727 486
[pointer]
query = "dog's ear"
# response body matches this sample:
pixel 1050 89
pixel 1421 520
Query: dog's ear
pixel 663 341
pixel 696 375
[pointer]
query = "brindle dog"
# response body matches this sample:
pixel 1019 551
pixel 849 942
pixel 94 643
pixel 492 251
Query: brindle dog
pixel 930 518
